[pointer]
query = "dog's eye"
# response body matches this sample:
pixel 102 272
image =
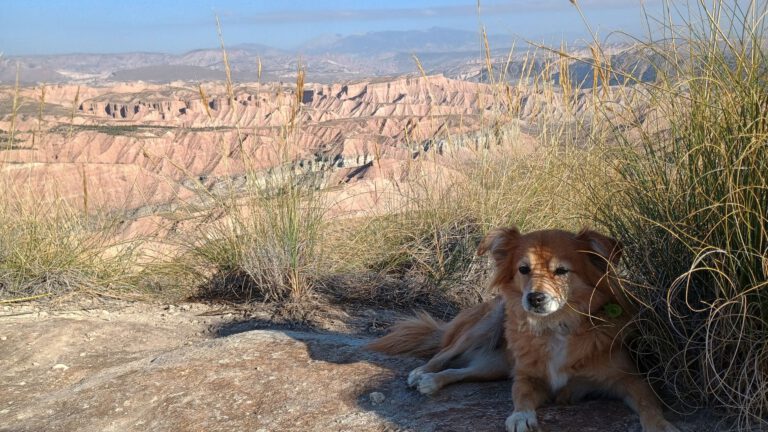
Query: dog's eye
pixel 524 269
pixel 561 271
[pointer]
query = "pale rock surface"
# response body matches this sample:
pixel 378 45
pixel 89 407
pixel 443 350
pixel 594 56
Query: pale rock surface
pixel 161 369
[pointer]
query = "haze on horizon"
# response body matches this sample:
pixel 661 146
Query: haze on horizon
pixel 91 26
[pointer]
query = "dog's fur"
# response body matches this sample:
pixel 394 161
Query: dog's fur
pixel 469 348
pixel 547 329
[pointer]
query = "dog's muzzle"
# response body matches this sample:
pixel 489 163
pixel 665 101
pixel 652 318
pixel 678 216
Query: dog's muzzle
pixel 540 303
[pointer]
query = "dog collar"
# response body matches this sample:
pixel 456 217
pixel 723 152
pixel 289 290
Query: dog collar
pixel 613 310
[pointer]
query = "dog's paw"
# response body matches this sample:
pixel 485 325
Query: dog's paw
pixel 428 384
pixel 415 376
pixel 522 421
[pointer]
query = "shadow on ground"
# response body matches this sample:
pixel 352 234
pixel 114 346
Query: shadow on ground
pixel 459 407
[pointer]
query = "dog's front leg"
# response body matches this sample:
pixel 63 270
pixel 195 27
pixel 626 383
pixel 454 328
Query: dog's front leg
pixel 528 393
pixel 639 396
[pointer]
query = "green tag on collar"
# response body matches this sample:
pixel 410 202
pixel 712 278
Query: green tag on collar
pixel 613 310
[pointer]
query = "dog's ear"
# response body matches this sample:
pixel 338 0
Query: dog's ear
pixel 500 242
pixel 602 250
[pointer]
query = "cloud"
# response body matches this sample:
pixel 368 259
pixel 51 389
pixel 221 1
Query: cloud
pixel 387 14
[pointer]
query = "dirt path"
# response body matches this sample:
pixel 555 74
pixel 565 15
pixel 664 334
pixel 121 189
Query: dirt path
pixel 140 367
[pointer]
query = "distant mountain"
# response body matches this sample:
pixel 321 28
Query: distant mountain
pixel 436 39
pixel 321 42
pixel 167 73
pixel 95 63
pixel 265 50
pixel 27 72
pixel 329 58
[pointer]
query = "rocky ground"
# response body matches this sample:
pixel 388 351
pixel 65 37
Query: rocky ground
pixel 120 366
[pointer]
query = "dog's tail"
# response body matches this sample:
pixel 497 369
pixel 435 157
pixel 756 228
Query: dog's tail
pixel 419 336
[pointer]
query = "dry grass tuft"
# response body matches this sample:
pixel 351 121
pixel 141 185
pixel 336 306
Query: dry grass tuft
pixel 689 203
pixel 50 249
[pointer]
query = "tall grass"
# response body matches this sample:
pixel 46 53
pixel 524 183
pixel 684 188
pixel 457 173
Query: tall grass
pixel 259 242
pixel 488 178
pixel 690 204
pixel 259 247
pixel 49 248
pixel 428 242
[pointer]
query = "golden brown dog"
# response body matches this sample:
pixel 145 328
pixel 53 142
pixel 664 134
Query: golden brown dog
pixel 554 328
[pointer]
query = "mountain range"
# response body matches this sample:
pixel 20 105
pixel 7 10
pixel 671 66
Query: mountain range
pixel 327 58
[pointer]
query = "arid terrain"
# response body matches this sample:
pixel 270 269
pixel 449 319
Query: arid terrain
pixel 103 126
pixel 143 148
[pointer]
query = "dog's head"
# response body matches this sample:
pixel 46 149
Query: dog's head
pixel 550 269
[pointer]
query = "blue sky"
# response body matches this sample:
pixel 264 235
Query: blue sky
pixel 58 26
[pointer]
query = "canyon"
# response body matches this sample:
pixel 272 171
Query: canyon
pixel 138 146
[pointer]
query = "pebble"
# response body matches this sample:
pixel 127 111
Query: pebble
pixel 61 366
pixel 377 398
pixel 3 338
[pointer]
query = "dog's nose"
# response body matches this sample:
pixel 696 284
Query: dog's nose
pixel 536 299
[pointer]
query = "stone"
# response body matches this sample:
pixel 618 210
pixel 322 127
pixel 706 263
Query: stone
pixel 377 398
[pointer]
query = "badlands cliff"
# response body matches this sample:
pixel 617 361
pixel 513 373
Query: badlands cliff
pixel 137 144
pixel 145 147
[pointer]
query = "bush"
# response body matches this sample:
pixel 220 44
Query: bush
pixel 260 247
pixel 691 206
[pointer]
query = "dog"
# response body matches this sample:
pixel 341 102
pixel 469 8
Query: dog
pixel 555 329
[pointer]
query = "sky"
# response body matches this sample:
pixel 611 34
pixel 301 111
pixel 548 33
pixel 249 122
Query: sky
pixel 91 26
